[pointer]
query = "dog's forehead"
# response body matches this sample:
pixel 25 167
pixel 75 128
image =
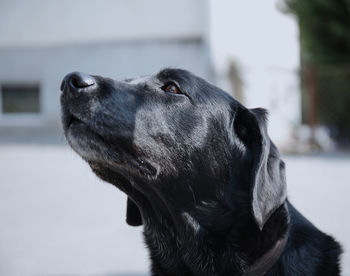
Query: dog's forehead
pixel 138 80
pixel 163 75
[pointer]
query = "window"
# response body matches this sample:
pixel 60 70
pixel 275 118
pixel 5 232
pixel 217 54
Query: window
pixel 20 98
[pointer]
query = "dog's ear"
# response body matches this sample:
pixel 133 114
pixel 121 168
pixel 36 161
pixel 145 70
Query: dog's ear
pixel 133 215
pixel 268 183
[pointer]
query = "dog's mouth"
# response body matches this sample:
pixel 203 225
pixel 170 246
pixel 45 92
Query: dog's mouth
pixel 79 134
pixel 72 120
pixel 69 119
pixel 77 128
pixel 92 146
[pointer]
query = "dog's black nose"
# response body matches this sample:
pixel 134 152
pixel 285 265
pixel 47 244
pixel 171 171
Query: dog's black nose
pixel 77 82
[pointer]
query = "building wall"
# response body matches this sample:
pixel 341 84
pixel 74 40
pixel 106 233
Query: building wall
pixel 54 22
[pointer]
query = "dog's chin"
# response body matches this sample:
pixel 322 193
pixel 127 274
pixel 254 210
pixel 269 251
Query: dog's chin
pixel 92 147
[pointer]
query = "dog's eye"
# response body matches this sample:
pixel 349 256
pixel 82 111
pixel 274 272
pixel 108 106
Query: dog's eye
pixel 172 88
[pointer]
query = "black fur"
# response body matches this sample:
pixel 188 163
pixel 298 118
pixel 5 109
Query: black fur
pixel 200 172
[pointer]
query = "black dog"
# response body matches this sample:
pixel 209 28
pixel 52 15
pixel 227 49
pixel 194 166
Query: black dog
pixel 200 172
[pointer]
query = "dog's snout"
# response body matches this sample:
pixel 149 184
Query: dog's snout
pixel 77 82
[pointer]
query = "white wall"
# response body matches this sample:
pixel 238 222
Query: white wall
pixel 48 22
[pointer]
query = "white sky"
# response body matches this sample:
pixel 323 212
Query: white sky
pixel 264 44
pixel 255 33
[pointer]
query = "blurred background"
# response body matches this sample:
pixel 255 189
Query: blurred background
pixel 291 57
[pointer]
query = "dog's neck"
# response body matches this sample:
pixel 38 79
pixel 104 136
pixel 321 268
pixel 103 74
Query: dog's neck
pixel 202 252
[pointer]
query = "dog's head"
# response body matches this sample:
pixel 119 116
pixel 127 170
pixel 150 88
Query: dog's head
pixel 178 146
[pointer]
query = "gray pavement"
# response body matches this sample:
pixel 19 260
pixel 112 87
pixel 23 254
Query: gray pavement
pixel 57 218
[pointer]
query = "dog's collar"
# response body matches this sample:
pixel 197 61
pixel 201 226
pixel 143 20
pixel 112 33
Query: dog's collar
pixel 266 261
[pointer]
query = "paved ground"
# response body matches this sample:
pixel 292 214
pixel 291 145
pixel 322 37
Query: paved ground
pixel 57 218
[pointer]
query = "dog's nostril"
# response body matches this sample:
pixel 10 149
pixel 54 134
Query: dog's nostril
pixel 74 82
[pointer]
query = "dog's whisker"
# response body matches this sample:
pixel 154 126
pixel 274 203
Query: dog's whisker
pixel 193 196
